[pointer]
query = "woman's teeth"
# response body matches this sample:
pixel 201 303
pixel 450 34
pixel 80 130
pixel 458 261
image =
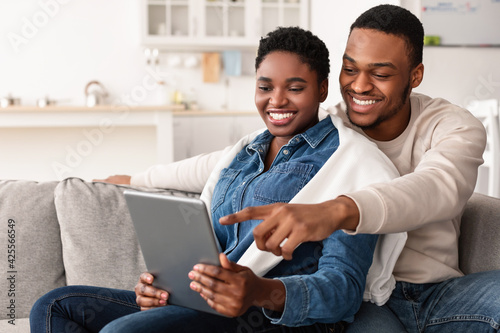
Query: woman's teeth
pixel 280 116
pixel 360 102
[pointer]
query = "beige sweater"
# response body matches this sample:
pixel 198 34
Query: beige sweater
pixel 437 156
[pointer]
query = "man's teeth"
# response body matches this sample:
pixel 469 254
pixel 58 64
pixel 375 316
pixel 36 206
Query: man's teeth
pixel 279 116
pixel 360 102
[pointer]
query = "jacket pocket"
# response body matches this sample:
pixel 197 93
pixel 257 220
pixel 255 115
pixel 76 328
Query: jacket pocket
pixel 282 182
pixel 227 177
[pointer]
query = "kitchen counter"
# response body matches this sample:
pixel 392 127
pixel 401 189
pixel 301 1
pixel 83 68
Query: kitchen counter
pixel 65 141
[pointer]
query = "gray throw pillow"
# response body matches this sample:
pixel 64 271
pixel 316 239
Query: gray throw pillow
pixel 100 247
pixel 31 259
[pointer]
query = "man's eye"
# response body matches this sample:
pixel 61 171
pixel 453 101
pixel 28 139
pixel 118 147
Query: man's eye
pixel 348 70
pixel 381 76
pixel 263 88
pixel 296 89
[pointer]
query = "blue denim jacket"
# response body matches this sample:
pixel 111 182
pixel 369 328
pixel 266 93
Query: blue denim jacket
pixel 325 280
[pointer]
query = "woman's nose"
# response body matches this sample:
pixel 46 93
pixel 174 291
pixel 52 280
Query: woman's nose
pixel 278 98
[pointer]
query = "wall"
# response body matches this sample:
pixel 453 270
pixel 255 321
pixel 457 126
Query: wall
pixel 55 47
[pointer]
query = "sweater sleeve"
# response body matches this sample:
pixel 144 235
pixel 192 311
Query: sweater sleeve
pixel 335 291
pixel 187 175
pixel 442 181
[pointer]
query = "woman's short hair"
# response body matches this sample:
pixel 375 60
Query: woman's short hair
pixel 311 50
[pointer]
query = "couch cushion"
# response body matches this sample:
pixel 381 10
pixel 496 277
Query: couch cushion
pixel 30 231
pixel 480 235
pixel 99 242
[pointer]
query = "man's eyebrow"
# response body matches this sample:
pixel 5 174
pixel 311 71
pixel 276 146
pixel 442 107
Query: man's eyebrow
pixel 375 64
pixel 263 78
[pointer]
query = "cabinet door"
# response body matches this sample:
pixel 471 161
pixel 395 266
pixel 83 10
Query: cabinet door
pixel 275 13
pixel 210 133
pixel 218 24
pixel 244 125
pixel 168 21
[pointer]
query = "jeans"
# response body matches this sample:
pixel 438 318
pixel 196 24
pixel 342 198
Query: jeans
pixel 466 304
pixel 94 309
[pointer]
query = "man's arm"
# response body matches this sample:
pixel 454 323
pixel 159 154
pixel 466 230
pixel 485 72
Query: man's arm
pixel 436 191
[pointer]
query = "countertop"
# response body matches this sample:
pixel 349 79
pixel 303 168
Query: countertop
pixel 178 110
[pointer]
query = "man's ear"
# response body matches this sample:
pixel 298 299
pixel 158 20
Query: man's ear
pixel 417 75
pixel 323 90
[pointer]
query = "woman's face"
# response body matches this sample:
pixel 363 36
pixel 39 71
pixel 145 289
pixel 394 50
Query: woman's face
pixel 287 94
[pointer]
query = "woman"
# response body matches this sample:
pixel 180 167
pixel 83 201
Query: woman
pixel 318 289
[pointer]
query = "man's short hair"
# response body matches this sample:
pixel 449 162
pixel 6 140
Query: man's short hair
pixel 311 50
pixel 397 21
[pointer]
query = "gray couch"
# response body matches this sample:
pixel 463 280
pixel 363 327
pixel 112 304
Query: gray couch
pixel 75 232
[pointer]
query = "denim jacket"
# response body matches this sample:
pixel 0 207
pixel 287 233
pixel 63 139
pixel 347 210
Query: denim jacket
pixel 325 280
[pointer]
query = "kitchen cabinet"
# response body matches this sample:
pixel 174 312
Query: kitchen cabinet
pixel 203 133
pixel 217 24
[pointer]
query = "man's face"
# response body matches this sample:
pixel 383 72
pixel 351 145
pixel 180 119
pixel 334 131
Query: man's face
pixel 376 80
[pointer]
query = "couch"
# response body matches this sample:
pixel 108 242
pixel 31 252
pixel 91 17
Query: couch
pixel 75 232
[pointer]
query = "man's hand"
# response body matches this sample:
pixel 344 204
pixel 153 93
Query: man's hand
pixel 147 296
pixel 231 289
pixel 116 179
pixel 297 223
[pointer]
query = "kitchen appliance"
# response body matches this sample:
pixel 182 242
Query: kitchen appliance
pixel 45 101
pixel 9 101
pixel 95 94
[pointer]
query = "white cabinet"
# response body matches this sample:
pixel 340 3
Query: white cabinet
pixel 196 134
pixel 217 24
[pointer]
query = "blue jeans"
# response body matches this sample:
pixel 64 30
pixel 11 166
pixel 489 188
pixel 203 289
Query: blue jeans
pixel 467 304
pixel 94 309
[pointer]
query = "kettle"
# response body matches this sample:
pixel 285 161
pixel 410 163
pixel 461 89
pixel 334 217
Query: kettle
pixel 95 93
pixel 9 101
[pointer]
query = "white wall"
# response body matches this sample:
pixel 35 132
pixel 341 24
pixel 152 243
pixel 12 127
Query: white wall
pixel 55 47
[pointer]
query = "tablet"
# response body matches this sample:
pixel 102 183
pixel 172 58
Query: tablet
pixel 174 234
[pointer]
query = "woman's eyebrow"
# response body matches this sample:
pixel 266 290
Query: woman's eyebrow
pixel 296 79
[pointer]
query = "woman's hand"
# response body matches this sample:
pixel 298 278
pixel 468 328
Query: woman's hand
pixel 147 296
pixel 116 179
pixel 231 289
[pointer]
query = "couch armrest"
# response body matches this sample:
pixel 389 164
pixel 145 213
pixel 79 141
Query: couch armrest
pixel 30 246
pixel 479 243
pixel 99 244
